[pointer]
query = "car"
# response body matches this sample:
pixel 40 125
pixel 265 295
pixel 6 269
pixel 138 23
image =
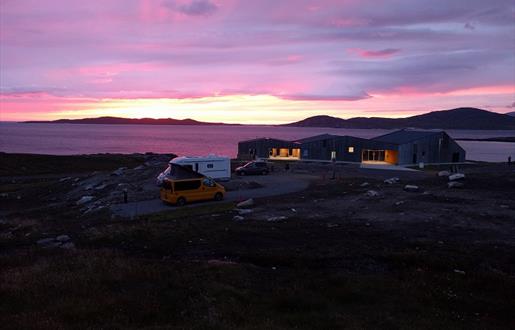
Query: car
pixel 180 192
pixel 253 168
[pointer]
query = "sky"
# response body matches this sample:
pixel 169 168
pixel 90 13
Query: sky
pixel 263 62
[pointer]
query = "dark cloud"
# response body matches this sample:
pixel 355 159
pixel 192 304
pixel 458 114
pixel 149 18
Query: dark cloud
pixel 193 8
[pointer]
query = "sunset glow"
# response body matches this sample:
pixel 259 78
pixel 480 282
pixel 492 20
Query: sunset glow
pixel 235 61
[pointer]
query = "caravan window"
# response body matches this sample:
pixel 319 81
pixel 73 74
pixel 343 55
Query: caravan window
pixel 209 165
pixel 187 185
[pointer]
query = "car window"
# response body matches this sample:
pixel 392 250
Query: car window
pixel 187 185
pixel 208 182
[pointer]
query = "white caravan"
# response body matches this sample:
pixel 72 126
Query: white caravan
pixel 216 167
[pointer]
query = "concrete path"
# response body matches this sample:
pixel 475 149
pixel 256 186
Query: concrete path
pixel 273 185
pixel 387 167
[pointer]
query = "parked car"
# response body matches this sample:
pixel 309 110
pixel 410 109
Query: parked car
pixel 180 192
pixel 252 168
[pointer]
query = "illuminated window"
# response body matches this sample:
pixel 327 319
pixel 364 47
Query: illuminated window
pixel 351 150
pixel 333 154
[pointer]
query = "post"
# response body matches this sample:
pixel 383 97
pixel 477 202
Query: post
pixel 125 197
pixel 333 160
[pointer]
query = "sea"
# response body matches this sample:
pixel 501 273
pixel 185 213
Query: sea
pixel 73 139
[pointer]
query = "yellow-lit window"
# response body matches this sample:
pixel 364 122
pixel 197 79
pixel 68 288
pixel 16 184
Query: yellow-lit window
pixel 351 150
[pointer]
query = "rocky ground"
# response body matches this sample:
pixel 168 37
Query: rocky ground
pixel 360 251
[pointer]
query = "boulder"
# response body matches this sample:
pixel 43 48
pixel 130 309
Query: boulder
pixel 46 241
pixel 67 246
pixel 243 211
pixel 392 180
pixel 247 203
pixel 444 173
pixel 101 187
pixel 411 188
pixel 454 184
pixel 238 218
pixel 63 238
pixel 139 168
pixel 84 200
pixel 276 218
pixel 364 184
pixel 457 176
pixel 372 193
pixel 119 171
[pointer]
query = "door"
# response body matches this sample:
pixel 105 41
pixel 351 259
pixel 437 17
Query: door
pixel 455 157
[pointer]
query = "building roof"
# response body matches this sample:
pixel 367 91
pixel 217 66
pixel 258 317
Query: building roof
pixel 406 135
pixel 264 138
pixel 320 137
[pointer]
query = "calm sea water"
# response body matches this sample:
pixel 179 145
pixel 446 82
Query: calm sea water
pixel 69 139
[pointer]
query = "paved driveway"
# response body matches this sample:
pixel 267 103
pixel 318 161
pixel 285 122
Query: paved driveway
pixel 273 185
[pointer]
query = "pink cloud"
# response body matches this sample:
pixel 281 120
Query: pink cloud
pixel 383 53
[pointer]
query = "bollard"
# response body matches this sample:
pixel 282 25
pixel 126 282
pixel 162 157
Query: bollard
pixel 125 198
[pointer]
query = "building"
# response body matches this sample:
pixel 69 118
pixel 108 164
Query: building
pixel 423 146
pixel 403 147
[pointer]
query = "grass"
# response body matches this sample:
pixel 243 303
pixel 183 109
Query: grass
pixel 30 164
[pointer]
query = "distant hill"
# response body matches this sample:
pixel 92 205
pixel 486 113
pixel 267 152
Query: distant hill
pixel 127 121
pixel 511 113
pixel 460 118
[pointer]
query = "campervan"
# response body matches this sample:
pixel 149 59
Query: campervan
pixel 216 167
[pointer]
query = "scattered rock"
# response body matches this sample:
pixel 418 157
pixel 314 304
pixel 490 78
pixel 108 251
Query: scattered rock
pixel 457 176
pixel 119 171
pixel 444 173
pixel 45 241
pixel 247 203
pixel 392 180
pixel 139 168
pixel 101 187
pixel 4 195
pixel 504 206
pixel 84 200
pixel 88 187
pixel 332 225
pixel 277 218
pixel 399 203
pixel 238 218
pixel 411 188
pixel 67 246
pixel 294 210
pixel 243 211
pixel 372 193
pixel 364 184
pixel 454 184
pixel 65 179
pixel 457 271
pixel 63 238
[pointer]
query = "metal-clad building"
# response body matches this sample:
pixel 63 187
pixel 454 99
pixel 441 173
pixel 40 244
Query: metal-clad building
pixel 401 147
pixel 430 146
pixel 264 148
pixel 328 147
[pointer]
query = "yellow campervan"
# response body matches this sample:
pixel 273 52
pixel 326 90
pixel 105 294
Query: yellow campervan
pixel 183 191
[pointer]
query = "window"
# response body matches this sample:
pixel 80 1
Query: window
pixel 187 185
pixel 208 182
pixel 333 154
pixel 209 165
pixel 350 150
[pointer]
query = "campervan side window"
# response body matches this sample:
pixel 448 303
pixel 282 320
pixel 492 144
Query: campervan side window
pixel 187 185
pixel 167 184
pixel 208 182
pixel 209 165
